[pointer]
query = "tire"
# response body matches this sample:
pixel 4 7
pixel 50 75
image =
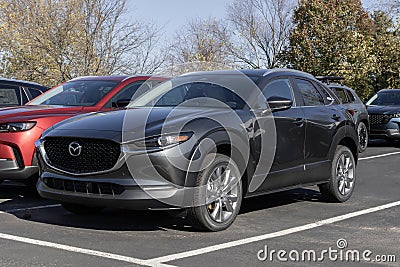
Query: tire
pixel 343 176
pixel 81 209
pixel 362 132
pixel 218 194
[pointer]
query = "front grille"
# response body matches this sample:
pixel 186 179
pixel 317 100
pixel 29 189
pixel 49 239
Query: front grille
pixel 95 155
pixel 84 187
pixel 375 119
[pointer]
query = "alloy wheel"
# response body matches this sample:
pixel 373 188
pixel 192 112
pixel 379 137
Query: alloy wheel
pixel 362 136
pixel 222 194
pixel 345 174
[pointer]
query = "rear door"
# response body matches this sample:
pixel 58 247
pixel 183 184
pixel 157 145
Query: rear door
pixel 287 167
pixel 322 117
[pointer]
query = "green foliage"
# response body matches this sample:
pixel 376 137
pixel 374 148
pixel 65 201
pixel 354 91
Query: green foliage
pixel 53 41
pixel 334 38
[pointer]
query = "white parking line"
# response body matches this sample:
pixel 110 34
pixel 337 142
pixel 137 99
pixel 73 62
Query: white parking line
pixel 380 156
pixel 82 250
pixel 293 230
pixel 160 261
pixel 35 208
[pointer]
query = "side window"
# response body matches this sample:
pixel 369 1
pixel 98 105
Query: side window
pixel 126 93
pixel 10 95
pixel 25 97
pixel 34 92
pixel 351 97
pixel 173 97
pixel 311 96
pixel 342 95
pixel 280 87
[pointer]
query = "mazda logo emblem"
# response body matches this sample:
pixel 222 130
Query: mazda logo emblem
pixel 75 149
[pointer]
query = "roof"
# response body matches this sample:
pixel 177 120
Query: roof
pixel 388 90
pixel 20 82
pixel 251 72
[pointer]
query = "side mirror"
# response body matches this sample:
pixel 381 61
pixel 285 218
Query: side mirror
pixel 277 103
pixel 121 103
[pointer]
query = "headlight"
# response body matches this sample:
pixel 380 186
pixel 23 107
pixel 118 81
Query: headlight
pixel 16 126
pixel 397 115
pixel 163 141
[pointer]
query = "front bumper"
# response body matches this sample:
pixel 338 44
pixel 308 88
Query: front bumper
pixel 390 130
pixel 11 166
pixel 141 186
pixel 132 197
pixel 7 172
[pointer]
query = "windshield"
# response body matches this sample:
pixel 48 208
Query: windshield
pixel 75 93
pixel 385 99
pixel 189 94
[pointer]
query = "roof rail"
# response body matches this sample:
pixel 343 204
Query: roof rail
pixel 329 79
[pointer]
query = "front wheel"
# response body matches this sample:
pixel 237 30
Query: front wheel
pixel 362 132
pixel 81 209
pixel 343 176
pixel 218 194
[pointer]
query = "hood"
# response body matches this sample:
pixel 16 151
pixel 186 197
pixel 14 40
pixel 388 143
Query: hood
pixel 383 109
pixel 31 112
pixel 134 123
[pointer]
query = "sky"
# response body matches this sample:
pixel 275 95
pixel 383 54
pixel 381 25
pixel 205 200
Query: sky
pixel 172 15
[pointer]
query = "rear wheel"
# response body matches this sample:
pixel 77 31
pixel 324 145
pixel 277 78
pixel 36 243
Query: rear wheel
pixel 343 175
pixel 81 209
pixel 218 196
pixel 362 132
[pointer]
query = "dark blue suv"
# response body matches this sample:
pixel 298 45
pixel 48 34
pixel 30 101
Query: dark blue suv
pixel 18 93
pixel 384 115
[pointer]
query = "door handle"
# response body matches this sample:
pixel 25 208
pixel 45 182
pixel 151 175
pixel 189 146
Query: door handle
pixel 335 117
pixel 299 122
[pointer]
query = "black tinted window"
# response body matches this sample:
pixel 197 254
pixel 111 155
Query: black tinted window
pixel 352 98
pixel 34 92
pixel 24 97
pixel 127 92
pixel 310 94
pixel 10 95
pixel 279 88
pixel 340 92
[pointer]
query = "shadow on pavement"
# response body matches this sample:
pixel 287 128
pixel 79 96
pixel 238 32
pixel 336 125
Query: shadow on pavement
pixel 128 220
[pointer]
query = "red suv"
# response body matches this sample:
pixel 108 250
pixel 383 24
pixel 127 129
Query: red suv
pixel 21 126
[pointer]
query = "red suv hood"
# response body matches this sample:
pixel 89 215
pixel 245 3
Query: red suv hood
pixel 32 112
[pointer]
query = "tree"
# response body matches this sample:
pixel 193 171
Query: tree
pixel 53 41
pixel 261 31
pixel 201 45
pixel 334 38
pixel 386 40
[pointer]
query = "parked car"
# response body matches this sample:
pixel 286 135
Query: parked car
pixel 353 104
pixel 183 145
pixel 21 126
pixel 384 115
pixel 18 93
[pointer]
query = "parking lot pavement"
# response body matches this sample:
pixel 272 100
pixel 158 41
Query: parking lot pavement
pixel 37 232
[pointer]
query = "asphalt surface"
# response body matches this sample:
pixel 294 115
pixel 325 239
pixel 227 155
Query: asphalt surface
pixel 38 232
